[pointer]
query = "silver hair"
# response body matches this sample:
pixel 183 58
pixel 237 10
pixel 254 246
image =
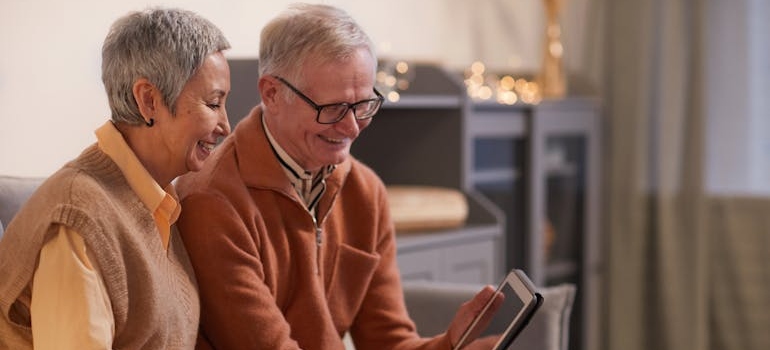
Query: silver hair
pixel 309 31
pixel 165 46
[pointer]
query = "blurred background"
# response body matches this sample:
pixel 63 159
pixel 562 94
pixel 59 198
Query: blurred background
pixel 672 226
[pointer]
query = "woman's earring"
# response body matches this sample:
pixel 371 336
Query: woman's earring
pixel 150 123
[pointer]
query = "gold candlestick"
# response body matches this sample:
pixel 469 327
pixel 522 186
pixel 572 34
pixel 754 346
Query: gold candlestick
pixel 552 78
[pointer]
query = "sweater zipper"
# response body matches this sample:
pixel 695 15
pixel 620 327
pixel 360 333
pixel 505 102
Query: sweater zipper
pixel 319 236
pixel 318 243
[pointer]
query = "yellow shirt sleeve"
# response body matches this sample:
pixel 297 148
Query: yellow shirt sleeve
pixel 70 308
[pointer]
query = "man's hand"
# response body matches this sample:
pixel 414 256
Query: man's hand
pixel 485 343
pixel 467 312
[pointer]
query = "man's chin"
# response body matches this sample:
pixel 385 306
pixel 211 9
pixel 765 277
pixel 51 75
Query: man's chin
pixel 339 159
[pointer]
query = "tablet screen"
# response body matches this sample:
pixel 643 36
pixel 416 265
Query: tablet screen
pixel 511 306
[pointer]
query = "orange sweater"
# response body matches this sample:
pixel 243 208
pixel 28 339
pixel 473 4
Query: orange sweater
pixel 265 281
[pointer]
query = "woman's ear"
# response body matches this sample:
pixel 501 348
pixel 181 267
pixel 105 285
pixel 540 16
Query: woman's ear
pixel 146 98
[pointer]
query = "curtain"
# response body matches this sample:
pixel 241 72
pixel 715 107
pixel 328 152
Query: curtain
pixel 740 242
pixel 684 269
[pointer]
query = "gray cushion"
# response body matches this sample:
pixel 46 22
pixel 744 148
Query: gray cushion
pixel 549 328
pixel 14 191
pixel 432 305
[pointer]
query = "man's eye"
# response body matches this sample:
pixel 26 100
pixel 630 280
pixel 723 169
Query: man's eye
pixel 336 108
pixel 213 105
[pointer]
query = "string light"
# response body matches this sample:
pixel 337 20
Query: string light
pixel 483 86
pixel 394 77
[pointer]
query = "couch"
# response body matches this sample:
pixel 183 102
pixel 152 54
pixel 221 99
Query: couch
pixel 14 191
pixel 431 304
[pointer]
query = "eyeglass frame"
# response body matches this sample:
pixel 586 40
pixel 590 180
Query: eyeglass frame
pixel 348 106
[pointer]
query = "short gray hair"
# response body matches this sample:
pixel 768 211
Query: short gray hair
pixel 165 46
pixel 309 31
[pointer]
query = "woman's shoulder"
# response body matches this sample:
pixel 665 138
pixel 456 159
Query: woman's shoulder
pixel 79 184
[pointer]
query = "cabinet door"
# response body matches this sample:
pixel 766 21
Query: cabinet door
pixel 421 265
pixel 470 262
pixel 564 169
pixel 460 261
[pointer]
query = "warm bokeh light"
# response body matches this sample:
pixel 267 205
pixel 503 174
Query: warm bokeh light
pixel 476 80
pixel 507 97
pixel 390 81
pixel 521 84
pixel 402 67
pixel 478 68
pixel 485 93
pixel 472 90
pixel 556 49
pixel 506 90
pixel 395 77
pixel 381 76
pixel 507 82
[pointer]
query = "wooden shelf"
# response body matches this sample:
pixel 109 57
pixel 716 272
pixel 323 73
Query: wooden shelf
pixel 425 102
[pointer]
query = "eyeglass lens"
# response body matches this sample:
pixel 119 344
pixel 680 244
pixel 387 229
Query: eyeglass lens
pixel 361 110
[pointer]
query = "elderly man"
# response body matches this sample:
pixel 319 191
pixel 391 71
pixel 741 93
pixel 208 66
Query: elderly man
pixel 290 237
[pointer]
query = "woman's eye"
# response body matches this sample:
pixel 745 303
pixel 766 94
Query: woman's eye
pixel 213 105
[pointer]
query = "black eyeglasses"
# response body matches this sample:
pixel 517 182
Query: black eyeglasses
pixel 334 112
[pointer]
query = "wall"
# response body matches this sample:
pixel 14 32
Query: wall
pixel 51 96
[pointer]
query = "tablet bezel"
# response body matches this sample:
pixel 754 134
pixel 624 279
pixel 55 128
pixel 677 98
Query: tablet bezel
pixel 525 290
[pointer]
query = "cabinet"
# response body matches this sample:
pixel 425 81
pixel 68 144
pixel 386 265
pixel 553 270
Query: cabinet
pixel 466 255
pixel 540 165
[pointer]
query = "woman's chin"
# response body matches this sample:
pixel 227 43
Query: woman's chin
pixel 195 164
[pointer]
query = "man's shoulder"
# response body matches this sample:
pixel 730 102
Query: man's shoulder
pixel 360 171
pixel 359 178
pixel 219 174
pixel 196 183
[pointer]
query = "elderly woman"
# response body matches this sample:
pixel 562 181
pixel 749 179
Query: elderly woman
pixel 91 261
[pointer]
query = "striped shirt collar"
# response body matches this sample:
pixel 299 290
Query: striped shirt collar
pixel 309 186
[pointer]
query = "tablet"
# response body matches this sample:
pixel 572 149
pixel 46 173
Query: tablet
pixel 506 314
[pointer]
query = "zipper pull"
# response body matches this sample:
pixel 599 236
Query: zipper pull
pixel 318 241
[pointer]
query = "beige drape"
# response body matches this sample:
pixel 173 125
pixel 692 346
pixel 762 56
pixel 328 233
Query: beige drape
pixel 685 269
pixel 739 239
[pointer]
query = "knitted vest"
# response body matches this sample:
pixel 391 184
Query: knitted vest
pixel 153 292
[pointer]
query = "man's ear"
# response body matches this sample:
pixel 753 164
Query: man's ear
pixel 146 97
pixel 268 90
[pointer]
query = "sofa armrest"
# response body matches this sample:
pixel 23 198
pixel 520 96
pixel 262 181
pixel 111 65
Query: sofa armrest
pixel 432 306
pixel 14 191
